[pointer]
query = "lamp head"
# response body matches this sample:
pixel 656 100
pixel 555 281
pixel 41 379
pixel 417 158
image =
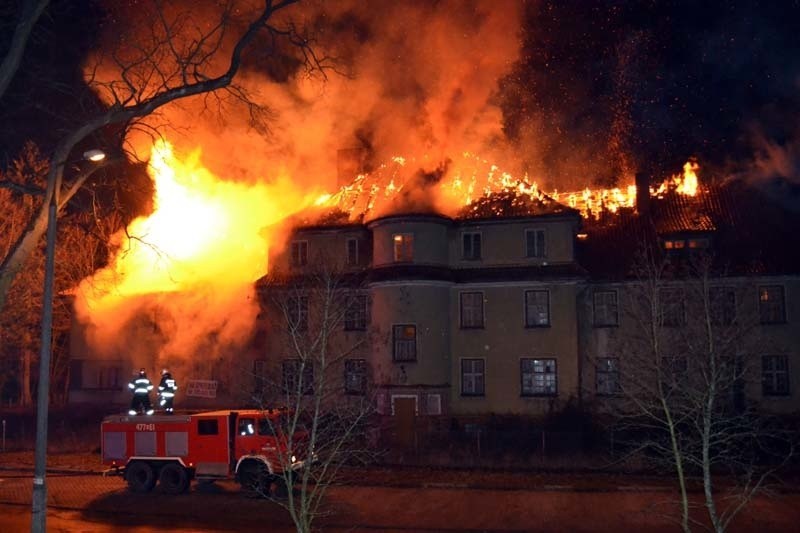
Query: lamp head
pixel 94 155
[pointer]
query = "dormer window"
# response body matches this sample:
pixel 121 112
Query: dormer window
pixel 535 243
pixel 403 247
pixel 299 253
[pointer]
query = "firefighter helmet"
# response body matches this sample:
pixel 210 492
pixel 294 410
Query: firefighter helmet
pixel 164 372
pixel 142 372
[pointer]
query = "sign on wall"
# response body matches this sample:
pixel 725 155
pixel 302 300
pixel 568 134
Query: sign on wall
pixel 201 388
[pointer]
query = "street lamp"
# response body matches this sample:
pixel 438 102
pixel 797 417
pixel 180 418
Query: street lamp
pixel 39 500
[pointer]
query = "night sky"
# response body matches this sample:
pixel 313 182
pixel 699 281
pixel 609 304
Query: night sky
pixel 600 89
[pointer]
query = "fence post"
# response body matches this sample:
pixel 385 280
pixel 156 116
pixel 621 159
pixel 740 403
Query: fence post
pixel 4 435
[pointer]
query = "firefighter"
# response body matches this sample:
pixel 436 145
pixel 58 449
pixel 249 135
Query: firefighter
pixel 141 387
pixel 166 391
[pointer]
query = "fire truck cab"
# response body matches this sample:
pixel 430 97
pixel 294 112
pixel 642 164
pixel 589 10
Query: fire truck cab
pixel 247 445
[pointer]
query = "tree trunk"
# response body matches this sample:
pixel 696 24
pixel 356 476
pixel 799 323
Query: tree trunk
pixel 25 399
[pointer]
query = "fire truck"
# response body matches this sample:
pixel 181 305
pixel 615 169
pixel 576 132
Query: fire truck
pixel 246 445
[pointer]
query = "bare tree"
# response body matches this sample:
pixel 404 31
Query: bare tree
pixel 688 348
pixel 26 19
pixel 169 60
pixel 321 380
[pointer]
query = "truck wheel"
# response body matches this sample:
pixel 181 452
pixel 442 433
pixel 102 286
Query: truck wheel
pixel 173 479
pixel 140 477
pixel 254 478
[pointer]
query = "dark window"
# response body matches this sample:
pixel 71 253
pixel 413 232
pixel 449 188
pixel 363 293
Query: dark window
pixel 297 377
pixel 259 375
pixel 607 376
pixel 297 309
pixel 771 305
pixel 299 253
pixel 76 374
pixel 471 310
pixel 268 426
pixel 605 308
pixel 404 342
pixel 722 305
pixel 775 375
pixel 471 246
pixel 537 309
pixel 535 243
pixel 473 377
pixel 673 312
pixel 403 247
pixel 674 370
pixel 355 376
pixel 539 377
pixel 355 315
pixel 207 427
pixel 352 252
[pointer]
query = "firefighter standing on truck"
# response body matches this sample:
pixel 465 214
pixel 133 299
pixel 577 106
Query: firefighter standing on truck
pixel 141 387
pixel 166 391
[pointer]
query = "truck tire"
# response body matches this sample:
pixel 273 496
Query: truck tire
pixel 140 477
pixel 254 478
pixel 173 479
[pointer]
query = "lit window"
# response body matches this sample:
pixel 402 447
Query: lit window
pixel 775 375
pixel 403 247
pixel 605 308
pixel 607 376
pixel 539 377
pixel 537 309
pixel 771 305
pixel 535 243
pixel 299 253
pixel 471 310
pixel 471 246
pixel 404 342
pixel 698 243
pixel 473 377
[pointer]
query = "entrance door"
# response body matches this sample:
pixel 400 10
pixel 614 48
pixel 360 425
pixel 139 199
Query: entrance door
pixel 405 411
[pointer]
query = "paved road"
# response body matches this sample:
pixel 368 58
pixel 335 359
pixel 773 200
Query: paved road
pixel 92 502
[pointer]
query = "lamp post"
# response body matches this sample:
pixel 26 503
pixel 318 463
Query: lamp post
pixel 39 500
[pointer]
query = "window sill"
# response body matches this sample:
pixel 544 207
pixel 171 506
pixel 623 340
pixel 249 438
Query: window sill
pixel 776 323
pixel 401 361
pixel 776 395
pixel 542 326
pixel 356 329
pixel 464 395
pixel 605 326
pixel 543 395
pixel 472 327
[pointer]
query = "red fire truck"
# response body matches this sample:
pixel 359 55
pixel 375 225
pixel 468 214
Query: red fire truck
pixel 247 445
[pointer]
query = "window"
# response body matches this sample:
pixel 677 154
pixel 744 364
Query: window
pixel 471 310
pixel 403 247
pixel 433 404
pixel 207 426
pixel 299 253
pixel 771 305
pixel 95 375
pixel 607 376
pixel 775 375
pixel 473 377
pixel 247 427
pixel 355 316
pixel 352 252
pixel 355 376
pixel 404 342
pixel 605 309
pixel 471 246
pixel 297 309
pixel 673 311
pixel 297 376
pixel 535 243
pixel 697 244
pixel 259 375
pixel 722 305
pixel 674 370
pixel 539 377
pixel 537 309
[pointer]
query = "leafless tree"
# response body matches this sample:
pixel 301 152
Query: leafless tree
pixel 687 354
pixel 29 13
pixel 171 57
pixel 321 381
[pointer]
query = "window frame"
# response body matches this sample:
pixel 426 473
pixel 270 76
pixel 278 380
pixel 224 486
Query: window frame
pixel 773 389
pixel 611 374
pixel 297 317
pixel 472 237
pixel 522 374
pixel 395 340
pixel 539 241
pixel 356 319
pixel 722 315
pixel 299 253
pixel 360 373
pixel 476 377
pixel 481 310
pixel 307 378
pixel 403 247
pixel 355 258
pixel 762 318
pixel 668 306
pixel 528 324
pixel 605 324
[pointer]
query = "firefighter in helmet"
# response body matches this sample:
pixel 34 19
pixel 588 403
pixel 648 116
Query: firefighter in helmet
pixel 166 391
pixel 141 387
